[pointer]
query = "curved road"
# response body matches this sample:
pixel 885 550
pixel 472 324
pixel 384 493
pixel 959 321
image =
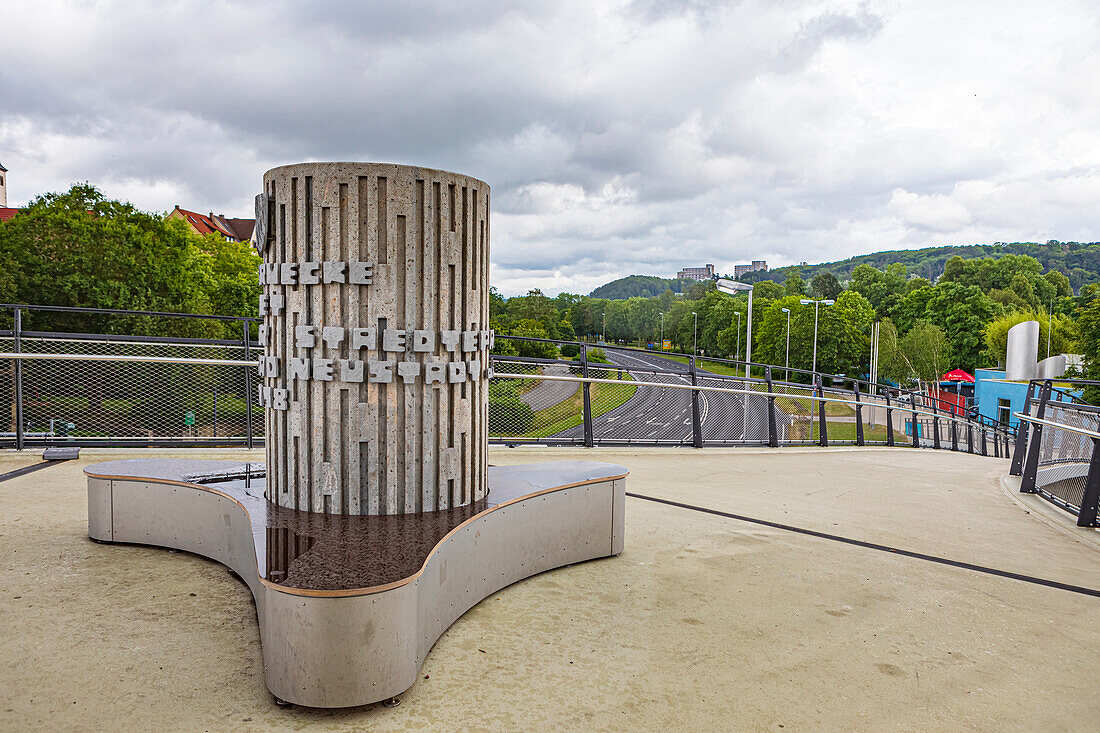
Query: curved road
pixel 548 393
pixel 655 414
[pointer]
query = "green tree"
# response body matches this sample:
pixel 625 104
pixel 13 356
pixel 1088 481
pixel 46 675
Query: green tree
pixel 794 285
pixel 825 285
pixel 767 290
pixel 912 308
pixel 80 249
pixel 843 337
pixel 530 328
pixel 921 355
pixel 962 311
pixel 883 289
pixel 1060 283
pixel 1088 327
pixel 892 364
pixel 928 352
pixel 1063 337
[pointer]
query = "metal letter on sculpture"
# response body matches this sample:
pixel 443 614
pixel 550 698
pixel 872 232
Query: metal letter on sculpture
pixel 377 506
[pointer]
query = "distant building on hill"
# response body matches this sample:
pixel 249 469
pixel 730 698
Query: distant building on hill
pixel 235 230
pixel 739 270
pixel 5 212
pixel 696 273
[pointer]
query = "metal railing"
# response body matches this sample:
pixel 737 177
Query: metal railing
pixel 95 382
pixel 643 397
pixel 1057 453
pixel 176 388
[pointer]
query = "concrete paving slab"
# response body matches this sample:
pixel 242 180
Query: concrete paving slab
pixel 703 623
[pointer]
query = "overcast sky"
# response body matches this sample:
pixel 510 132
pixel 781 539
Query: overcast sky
pixel 618 137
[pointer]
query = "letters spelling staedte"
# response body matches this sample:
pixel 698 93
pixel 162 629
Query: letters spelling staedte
pixel 388 341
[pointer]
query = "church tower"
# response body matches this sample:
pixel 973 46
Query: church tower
pixel 3 186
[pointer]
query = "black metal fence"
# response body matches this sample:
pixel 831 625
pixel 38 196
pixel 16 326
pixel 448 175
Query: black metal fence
pixel 114 387
pixel 128 378
pixel 640 397
pixel 1057 453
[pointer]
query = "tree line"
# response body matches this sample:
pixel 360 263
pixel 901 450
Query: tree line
pixel 79 248
pixel 926 328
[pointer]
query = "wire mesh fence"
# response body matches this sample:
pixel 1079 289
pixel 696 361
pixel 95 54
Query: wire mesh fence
pixel 128 389
pixel 664 399
pixel 173 387
pixel 1057 453
pixel 1065 455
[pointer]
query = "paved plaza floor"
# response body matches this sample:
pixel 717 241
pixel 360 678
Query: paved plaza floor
pixel 826 593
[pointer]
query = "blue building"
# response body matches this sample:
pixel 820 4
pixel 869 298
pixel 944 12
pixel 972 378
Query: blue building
pixel 996 397
pixel 999 399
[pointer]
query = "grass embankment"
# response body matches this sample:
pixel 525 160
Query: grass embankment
pixel 570 412
pixel 846 432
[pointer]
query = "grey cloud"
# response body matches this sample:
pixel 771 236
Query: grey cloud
pixel 616 138
pixel 860 25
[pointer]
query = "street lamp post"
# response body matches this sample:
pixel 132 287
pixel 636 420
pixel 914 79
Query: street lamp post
pixel 733 287
pixel 738 314
pixel 817 305
pixel 605 327
pixel 1050 324
pixel 787 360
pixel 813 370
pixel 695 337
pixel 662 332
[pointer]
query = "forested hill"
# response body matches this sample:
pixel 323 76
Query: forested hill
pixel 638 286
pixel 1079 261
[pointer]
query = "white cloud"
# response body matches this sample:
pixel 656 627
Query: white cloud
pixel 935 212
pixel 619 137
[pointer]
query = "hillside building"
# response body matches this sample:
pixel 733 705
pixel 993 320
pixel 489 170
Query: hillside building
pixel 739 270
pixel 5 212
pixel 696 273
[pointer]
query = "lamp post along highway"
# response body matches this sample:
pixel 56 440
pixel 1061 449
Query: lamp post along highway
pixel 695 336
pixel 1050 324
pixel 817 305
pixel 662 331
pixel 733 287
pixel 787 359
pixel 813 369
pixel 738 314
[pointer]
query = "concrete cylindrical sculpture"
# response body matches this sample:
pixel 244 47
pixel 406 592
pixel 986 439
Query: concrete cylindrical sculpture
pixel 376 337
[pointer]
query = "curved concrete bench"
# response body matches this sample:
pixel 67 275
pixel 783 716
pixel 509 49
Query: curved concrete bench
pixel 348 607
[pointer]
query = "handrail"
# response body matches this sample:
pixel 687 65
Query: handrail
pixel 729 390
pixel 32 356
pixel 117 312
pixel 1061 426
pixel 911 409
pixel 942 403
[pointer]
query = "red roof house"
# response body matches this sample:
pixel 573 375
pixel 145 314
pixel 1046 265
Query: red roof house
pixel 237 230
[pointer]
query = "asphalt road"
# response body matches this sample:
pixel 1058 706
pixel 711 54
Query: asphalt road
pixel 548 393
pixel 664 415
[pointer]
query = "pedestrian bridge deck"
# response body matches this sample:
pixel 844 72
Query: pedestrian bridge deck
pixel 760 611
